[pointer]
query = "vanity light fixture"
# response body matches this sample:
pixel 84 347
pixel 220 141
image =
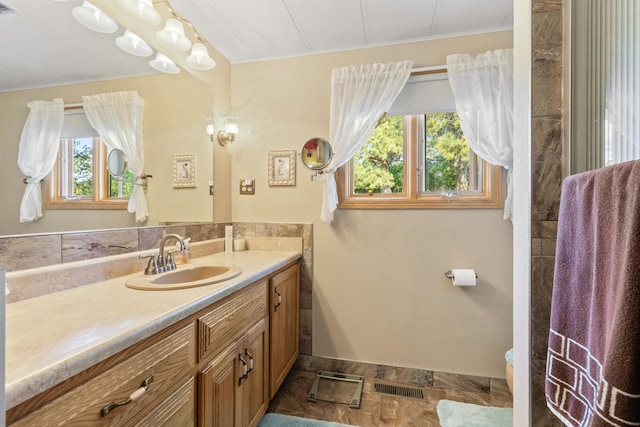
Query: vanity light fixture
pixel 210 128
pixel 93 18
pixel 172 36
pixel 164 64
pixel 199 58
pixel 131 43
pixel 230 130
pixel 143 10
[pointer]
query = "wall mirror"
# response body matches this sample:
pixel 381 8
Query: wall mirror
pixel 117 163
pixel 316 154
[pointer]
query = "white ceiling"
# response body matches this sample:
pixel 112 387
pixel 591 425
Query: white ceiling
pixel 42 45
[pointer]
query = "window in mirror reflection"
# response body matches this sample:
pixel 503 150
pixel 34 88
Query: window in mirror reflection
pixel 80 179
pixel 76 167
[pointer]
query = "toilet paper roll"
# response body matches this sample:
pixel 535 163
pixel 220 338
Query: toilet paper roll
pixel 463 277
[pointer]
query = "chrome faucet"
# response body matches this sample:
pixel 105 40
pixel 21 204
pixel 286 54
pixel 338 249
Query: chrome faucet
pixel 162 263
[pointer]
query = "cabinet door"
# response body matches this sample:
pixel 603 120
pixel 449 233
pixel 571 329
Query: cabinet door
pixel 255 387
pixel 284 325
pixel 220 397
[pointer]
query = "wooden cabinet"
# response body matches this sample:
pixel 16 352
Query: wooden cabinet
pixel 284 324
pixel 218 367
pixel 233 388
pixel 234 344
pixel 169 395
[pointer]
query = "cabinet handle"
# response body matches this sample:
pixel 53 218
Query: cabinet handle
pixel 279 299
pixel 132 397
pixel 244 368
pixel 246 351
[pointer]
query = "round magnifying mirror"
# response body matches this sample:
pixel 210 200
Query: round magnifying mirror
pixel 316 154
pixel 117 163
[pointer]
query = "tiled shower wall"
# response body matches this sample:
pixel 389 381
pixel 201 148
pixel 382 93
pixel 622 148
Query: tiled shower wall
pixel 547 139
pixel 30 251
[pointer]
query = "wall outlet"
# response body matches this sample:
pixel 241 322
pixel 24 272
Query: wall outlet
pixel 247 186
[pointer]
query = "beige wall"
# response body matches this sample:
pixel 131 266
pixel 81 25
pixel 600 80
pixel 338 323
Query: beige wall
pixel 379 291
pixel 174 120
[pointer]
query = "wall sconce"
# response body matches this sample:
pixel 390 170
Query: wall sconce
pixel 210 129
pixel 230 130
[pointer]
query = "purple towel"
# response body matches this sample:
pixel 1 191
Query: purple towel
pixel 593 358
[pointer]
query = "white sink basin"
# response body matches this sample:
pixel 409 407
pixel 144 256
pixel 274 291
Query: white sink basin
pixel 185 276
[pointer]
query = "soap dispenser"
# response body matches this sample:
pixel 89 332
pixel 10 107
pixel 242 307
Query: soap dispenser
pixel 185 253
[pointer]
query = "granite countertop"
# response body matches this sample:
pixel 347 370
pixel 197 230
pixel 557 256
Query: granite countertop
pixel 53 337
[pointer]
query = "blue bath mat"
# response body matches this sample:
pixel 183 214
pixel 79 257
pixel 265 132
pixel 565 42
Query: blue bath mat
pixel 458 414
pixel 279 420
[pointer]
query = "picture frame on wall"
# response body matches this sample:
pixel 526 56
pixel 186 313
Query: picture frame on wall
pixel 282 168
pixel 184 171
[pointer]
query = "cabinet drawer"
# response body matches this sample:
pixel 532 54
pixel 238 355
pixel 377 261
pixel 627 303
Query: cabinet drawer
pixel 179 409
pixel 170 362
pixel 230 318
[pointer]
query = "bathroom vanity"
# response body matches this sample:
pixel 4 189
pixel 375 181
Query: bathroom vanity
pixel 105 354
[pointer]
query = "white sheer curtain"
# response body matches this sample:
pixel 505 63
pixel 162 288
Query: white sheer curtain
pixel 483 90
pixel 37 153
pixel 359 96
pixel 117 117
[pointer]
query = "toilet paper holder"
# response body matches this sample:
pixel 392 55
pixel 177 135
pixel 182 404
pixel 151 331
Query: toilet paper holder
pixel 449 274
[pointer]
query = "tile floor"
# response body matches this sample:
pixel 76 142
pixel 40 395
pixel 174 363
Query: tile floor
pixel 382 410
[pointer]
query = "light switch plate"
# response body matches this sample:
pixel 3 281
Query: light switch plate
pixel 247 186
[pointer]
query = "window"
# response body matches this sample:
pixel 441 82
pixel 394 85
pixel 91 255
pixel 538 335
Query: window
pixel 419 160
pixel 80 179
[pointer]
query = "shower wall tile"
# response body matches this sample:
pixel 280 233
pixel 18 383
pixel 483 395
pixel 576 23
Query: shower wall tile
pixel 546 6
pixel 548 229
pixel 548 247
pixel 536 246
pixel 546 169
pixel 19 253
pixel 546 177
pixel 542 268
pixel 79 246
pixel 546 58
pixel 540 414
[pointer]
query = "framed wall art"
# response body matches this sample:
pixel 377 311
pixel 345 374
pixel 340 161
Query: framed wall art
pixel 184 171
pixel 282 168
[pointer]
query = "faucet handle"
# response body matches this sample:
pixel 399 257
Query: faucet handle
pixel 152 266
pixel 170 263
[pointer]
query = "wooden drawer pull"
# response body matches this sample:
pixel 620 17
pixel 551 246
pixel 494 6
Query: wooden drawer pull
pixel 132 397
pixel 245 371
pixel 279 299
pixel 246 351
